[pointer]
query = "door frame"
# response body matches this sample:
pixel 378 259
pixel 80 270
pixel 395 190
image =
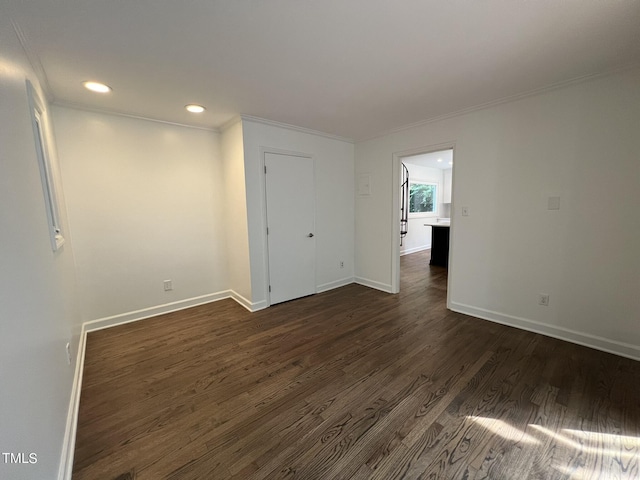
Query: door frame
pixel 265 239
pixel 395 212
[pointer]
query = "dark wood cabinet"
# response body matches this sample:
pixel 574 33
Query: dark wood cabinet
pixel 439 245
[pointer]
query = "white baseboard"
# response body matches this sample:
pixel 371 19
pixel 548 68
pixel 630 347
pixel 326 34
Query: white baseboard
pixel 251 306
pixel 373 284
pixel 136 315
pixel 336 284
pixel 66 464
pixel 573 336
pixel 121 319
pixel 414 249
pixel 69 443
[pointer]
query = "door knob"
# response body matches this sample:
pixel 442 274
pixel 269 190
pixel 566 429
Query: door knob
pixel 310 235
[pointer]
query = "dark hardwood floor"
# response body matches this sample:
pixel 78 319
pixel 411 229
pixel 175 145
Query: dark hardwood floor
pixel 352 383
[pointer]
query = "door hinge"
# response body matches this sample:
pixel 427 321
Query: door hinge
pixel 269 288
pixel 267 230
pixel 265 169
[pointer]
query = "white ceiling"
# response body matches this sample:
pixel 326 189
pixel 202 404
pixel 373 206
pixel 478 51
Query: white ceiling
pixel 353 68
pixel 442 159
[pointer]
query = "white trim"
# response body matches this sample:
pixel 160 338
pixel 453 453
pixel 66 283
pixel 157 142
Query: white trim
pixel 41 134
pixel 511 98
pixel 396 161
pixel 134 316
pixel 104 111
pixel 335 284
pixel 265 221
pixel 251 306
pixel 452 227
pixel 593 341
pixel 414 250
pixel 281 151
pixel 230 123
pixel 373 284
pixel 68 445
pixel 288 126
pixel 34 61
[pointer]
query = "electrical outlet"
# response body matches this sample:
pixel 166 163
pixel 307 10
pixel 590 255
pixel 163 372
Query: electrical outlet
pixel 341 264
pixel 168 285
pixel 543 299
pixel 67 349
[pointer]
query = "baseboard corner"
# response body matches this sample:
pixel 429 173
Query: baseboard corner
pixel 335 284
pixel 374 284
pixel 246 303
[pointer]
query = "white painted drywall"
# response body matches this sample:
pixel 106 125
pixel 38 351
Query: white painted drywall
pixel 418 236
pixel 146 204
pixel 334 169
pixel 580 143
pixel 38 310
pixel 235 215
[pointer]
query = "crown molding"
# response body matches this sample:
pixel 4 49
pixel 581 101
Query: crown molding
pixel 76 106
pixel 507 99
pixel 34 61
pixel 309 131
pixel 230 123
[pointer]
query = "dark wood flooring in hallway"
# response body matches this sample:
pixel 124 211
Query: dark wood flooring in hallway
pixel 352 384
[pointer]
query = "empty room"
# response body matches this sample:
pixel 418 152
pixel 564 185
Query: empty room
pixel 205 267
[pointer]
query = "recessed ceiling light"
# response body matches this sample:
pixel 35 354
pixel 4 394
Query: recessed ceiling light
pixel 193 108
pixel 439 160
pixel 450 163
pixel 97 87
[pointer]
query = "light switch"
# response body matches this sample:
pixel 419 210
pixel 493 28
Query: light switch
pixel 364 184
pixel 465 211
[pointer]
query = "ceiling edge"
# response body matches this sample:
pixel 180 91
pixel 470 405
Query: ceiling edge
pixel 34 61
pixel 309 131
pixel 85 108
pixel 230 123
pixel 503 100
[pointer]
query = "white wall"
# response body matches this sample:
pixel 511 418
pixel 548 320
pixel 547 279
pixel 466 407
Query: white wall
pixel 146 204
pixel 418 236
pixel 334 202
pixel 236 214
pixel 580 143
pixel 38 313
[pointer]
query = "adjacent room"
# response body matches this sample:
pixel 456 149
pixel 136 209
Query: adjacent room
pixel 426 192
pixel 209 267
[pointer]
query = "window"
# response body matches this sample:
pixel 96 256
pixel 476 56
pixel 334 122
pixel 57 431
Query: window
pixel 423 198
pixel 36 107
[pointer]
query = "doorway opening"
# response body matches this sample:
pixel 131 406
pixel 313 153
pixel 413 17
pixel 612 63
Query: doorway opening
pixel 422 193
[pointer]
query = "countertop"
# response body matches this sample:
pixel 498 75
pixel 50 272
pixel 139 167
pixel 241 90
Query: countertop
pixel 438 222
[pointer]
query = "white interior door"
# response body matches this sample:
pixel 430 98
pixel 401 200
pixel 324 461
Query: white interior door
pixel 291 226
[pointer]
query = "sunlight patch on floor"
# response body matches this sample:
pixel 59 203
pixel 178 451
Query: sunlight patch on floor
pixel 503 429
pixel 595 443
pixel 581 455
